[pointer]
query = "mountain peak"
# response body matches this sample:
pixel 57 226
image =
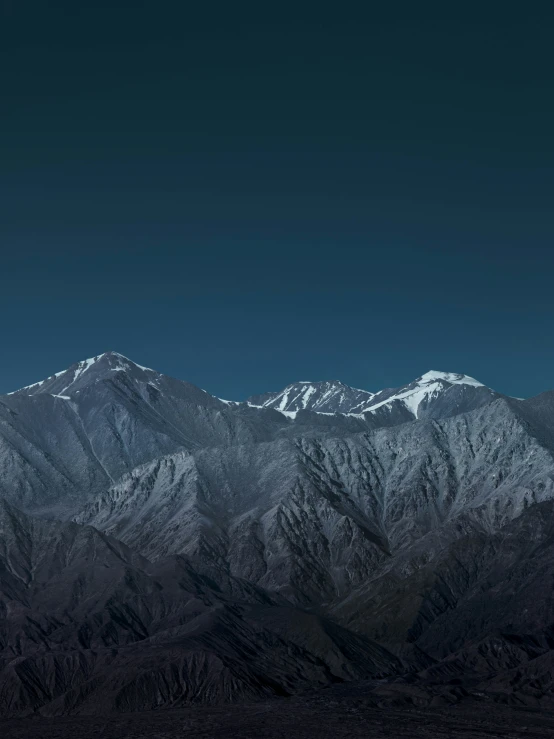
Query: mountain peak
pixel 317 383
pixel 84 373
pixel 434 394
pixel 324 396
pixel 454 378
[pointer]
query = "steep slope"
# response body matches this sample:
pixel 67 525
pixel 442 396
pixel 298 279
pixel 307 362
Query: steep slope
pixel 88 626
pixel 313 517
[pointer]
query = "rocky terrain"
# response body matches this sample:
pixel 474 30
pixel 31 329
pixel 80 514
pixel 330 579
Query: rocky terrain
pixel 161 547
pixel 88 626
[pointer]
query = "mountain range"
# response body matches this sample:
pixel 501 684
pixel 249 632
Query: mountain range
pixel 159 545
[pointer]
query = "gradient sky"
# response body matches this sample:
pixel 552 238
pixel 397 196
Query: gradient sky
pixel 250 196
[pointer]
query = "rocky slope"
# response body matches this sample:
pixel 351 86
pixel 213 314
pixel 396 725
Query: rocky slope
pixel 417 518
pixel 314 517
pixel 69 437
pixel 89 626
pixel 73 435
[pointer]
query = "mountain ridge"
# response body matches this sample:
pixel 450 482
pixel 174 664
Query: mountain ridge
pixel 319 396
pixel 139 513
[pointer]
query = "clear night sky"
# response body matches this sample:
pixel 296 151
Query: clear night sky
pixel 250 197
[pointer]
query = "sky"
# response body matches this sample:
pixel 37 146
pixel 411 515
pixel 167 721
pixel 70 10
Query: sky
pixel 244 196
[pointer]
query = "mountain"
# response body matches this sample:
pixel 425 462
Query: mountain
pixel 234 550
pixel 433 395
pixel 477 604
pixel 66 438
pixel 323 397
pixel 314 517
pixel 73 435
pixel 88 626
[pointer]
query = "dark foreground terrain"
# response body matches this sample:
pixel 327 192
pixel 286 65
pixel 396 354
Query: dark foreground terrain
pixel 329 717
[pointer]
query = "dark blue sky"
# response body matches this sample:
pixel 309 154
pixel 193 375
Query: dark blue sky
pixel 251 197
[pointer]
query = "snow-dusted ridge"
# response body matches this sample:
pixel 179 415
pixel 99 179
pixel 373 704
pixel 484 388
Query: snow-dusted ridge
pixel 118 363
pixel 322 397
pixel 428 386
pixel 333 397
pixel 452 377
pixel 325 396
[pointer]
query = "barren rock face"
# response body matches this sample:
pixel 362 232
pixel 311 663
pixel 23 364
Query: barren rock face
pixel 87 625
pixel 315 517
pixel 160 546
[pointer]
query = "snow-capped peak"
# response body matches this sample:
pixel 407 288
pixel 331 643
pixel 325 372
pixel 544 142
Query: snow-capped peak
pixel 451 377
pixel 326 396
pixel 430 386
pixel 72 378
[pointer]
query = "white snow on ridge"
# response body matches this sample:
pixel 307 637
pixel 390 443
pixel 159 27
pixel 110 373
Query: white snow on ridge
pixel 286 397
pixel 37 384
pixel 318 397
pixel 427 386
pixel 322 395
pixel 81 369
pixel 451 377
pixel 313 396
pixel 144 369
pixel 84 366
pixel 307 395
pixel 284 400
pixel 288 414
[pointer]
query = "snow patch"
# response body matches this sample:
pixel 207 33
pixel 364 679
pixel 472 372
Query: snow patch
pixel 452 377
pixel 288 414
